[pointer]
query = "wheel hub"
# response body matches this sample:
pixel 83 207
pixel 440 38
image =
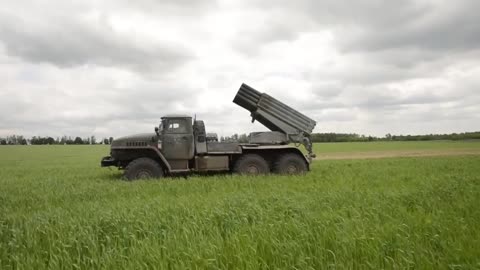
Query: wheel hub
pixel 252 169
pixel 291 169
pixel 144 174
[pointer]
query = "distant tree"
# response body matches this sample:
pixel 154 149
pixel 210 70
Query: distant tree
pixel 3 142
pixel 23 141
pixel 12 139
pixel 243 138
pixel 49 140
pixel 93 140
pixel 105 141
pixel 110 140
pixel 20 139
pixel 78 140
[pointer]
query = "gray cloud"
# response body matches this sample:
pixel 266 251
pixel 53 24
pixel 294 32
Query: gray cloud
pixel 164 7
pixel 422 30
pixel 70 42
pixel 55 112
pixel 268 29
pixel 442 27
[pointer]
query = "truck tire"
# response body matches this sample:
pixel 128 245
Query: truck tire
pixel 142 168
pixel 251 164
pixel 290 163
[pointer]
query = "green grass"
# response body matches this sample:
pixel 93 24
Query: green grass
pixel 58 209
pixel 320 148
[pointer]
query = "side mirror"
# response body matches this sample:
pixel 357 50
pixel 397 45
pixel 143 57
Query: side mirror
pixel 156 131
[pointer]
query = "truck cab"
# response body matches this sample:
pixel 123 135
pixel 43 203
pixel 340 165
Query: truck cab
pixel 176 139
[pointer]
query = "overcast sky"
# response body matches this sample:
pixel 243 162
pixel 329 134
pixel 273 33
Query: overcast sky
pixel 112 68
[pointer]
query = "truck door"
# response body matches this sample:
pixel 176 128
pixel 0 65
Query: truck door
pixel 177 142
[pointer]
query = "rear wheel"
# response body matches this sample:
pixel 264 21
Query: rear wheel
pixel 251 164
pixel 290 164
pixel 142 168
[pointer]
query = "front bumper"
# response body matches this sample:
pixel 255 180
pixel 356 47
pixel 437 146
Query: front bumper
pixel 108 161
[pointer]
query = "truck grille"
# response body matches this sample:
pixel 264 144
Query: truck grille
pixel 136 143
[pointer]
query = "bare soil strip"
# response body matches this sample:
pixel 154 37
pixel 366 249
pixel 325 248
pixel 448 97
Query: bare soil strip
pixel 397 153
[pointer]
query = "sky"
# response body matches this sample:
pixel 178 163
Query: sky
pixel 113 68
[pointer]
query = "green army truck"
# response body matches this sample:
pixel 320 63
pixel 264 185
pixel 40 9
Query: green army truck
pixel 180 145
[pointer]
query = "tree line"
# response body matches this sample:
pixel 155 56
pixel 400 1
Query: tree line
pixel 39 140
pixel 243 138
pixel 240 138
pixel 353 137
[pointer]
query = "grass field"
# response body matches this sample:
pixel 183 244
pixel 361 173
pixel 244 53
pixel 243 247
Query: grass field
pixel 395 149
pixel 59 209
pixel 325 148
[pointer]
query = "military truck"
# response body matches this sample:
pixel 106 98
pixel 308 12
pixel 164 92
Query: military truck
pixel 180 145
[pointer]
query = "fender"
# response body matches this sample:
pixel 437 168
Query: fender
pixel 150 148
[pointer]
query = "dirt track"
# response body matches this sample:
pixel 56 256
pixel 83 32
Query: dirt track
pixel 397 153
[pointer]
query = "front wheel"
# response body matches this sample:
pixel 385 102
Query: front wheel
pixel 142 168
pixel 290 164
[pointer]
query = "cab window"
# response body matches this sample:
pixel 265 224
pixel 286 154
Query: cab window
pixel 176 126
